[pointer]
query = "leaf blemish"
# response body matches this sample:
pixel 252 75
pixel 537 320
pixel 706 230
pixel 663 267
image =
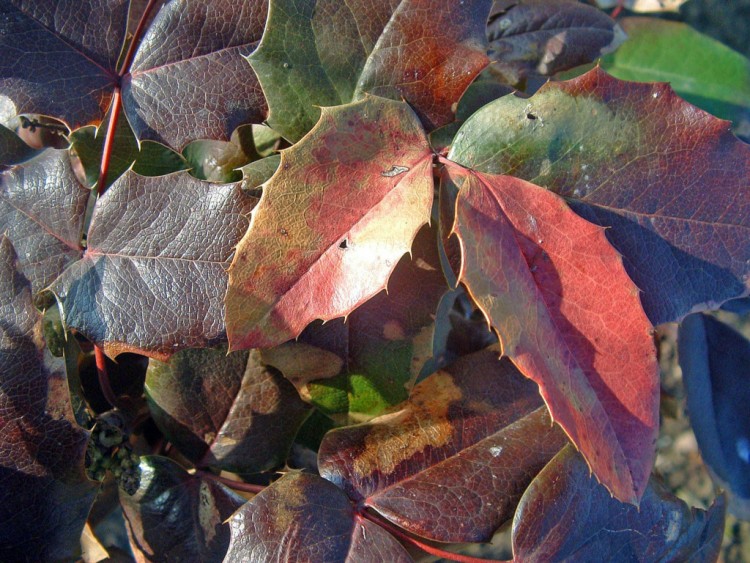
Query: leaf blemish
pixel 394 171
pixel 344 244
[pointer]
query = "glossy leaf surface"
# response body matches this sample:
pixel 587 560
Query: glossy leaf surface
pixel 669 179
pixel 225 411
pixel 59 57
pixel 567 315
pixel 44 493
pixel 715 362
pixel 453 461
pixel 42 205
pixel 332 223
pixel 189 79
pixel 324 53
pixel 302 517
pixel 565 515
pixel 162 246
pixel 700 69
pixel 543 37
pixel 175 516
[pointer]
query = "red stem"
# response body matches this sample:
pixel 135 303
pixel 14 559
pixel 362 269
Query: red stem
pixel 109 140
pixel 101 372
pixel 618 9
pixel 231 483
pixel 128 60
pixel 432 550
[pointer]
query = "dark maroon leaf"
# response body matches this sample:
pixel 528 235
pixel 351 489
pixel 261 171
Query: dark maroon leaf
pixel 451 464
pixel 302 517
pixel 42 205
pixel 225 411
pixel 669 179
pixel 162 246
pixel 565 515
pixel 44 493
pixel 175 516
pixel 543 37
pixel 715 362
pixel 59 57
pixel 189 79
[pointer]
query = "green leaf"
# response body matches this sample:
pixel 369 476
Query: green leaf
pixel 325 53
pixel 700 69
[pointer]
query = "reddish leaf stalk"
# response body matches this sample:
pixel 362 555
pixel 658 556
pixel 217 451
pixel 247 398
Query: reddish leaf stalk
pixel 231 483
pixel 128 60
pixel 101 372
pixel 432 550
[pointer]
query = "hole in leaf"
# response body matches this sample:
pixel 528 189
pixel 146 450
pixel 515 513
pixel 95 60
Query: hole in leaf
pixel 530 116
pixel 344 245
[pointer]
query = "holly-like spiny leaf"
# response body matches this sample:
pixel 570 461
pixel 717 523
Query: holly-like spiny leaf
pixel 302 517
pixel 44 493
pixel 59 57
pixel 189 78
pixel 453 461
pixel 161 245
pixel 225 411
pixel 543 37
pixel 175 516
pixel 324 53
pixel 669 179
pixel 332 223
pixel 567 315
pixel 565 515
pixel 42 206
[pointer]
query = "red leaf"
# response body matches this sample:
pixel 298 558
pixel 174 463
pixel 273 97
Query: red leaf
pixel 189 78
pixel 478 426
pixel 332 223
pixel 161 245
pixel 568 316
pixel 42 206
pixel 669 179
pixel 302 517
pixel 565 515
pixel 44 493
pixel 59 57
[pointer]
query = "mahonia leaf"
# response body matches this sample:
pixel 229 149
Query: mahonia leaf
pixel 302 517
pixel 567 315
pixel 699 68
pixel 162 246
pixel 332 223
pixel 208 39
pixel 669 179
pixel 59 57
pixel 42 206
pixel 44 493
pixel 225 411
pixel 565 515
pixel 371 361
pixel 175 516
pixel 543 37
pixel 12 149
pixel 714 359
pixel 323 53
pixel 453 461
